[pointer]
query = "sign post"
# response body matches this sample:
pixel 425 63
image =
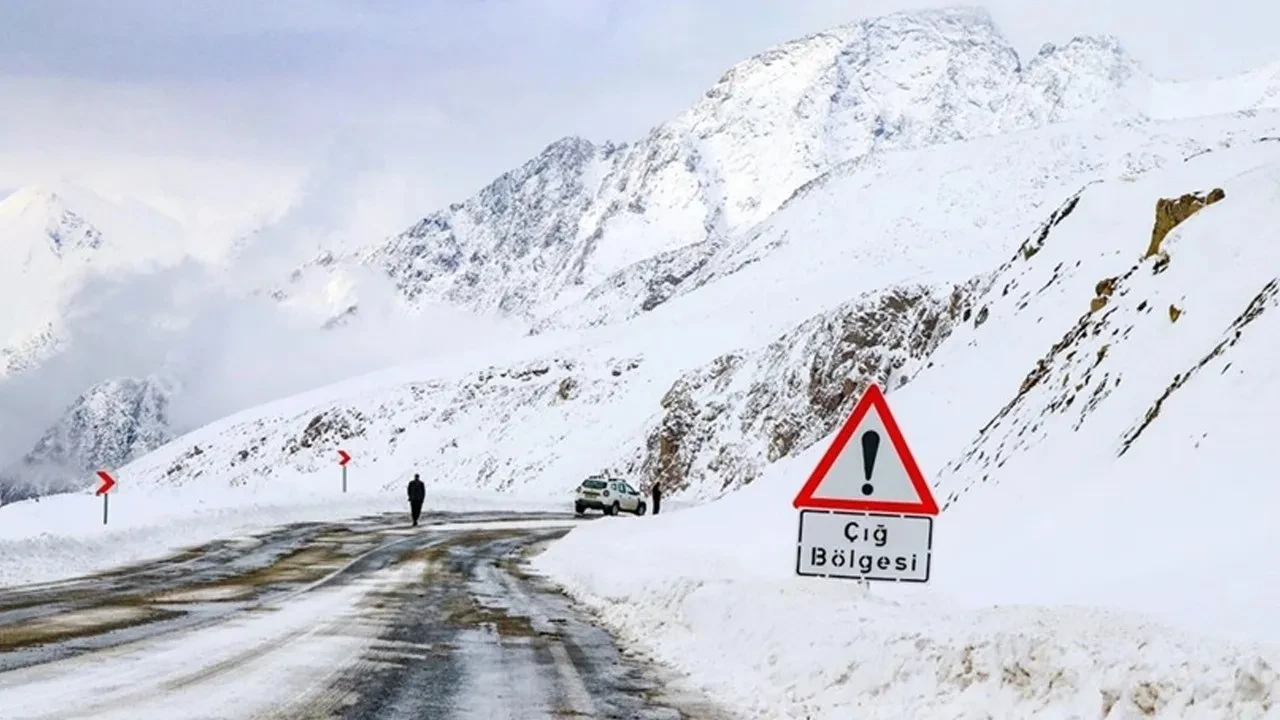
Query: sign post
pixel 866 514
pixel 108 482
pixel 343 459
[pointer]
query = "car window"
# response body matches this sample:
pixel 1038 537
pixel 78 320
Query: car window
pixel 593 484
pixel 630 490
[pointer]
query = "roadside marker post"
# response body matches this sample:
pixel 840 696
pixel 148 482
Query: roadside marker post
pixel 107 482
pixel 343 459
pixel 866 512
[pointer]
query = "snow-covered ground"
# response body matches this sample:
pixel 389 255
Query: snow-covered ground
pixel 1085 565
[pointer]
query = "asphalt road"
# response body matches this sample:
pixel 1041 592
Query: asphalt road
pixel 363 620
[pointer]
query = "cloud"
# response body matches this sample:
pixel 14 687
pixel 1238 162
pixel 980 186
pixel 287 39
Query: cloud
pixel 230 347
pixel 226 350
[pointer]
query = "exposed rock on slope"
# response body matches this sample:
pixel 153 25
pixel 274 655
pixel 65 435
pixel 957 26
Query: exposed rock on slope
pixel 1172 212
pixel 1106 373
pixel 545 423
pixel 537 423
pixel 723 422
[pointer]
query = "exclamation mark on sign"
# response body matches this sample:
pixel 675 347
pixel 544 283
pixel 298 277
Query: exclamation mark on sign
pixel 870 445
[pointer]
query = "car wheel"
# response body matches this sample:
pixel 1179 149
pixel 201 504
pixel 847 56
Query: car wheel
pixel 614 510
pixel 640 509
pixel 578 509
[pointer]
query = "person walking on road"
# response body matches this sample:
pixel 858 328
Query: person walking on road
pixel 417 494
pixel 657 497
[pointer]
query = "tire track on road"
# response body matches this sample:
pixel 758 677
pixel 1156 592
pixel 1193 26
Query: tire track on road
pixel 381 623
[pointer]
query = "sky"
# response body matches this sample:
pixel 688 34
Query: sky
pixel 217 110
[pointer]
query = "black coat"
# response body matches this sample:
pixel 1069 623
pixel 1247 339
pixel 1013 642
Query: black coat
pixel 417 491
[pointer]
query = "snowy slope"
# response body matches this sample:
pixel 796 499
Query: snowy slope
pixel 584 231
pixel 928 223
pixel 1103 461
pixel 932 211
pixel 1254 90
pixel 520 426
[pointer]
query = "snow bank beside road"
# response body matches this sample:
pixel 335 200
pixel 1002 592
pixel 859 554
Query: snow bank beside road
pixel 63 536
pixel 711 591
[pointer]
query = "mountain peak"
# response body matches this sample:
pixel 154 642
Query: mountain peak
pixel 545 233
pixel 1102 48
pixel 29 199
pixel 45 211
pixel 55 197
pixel 959 15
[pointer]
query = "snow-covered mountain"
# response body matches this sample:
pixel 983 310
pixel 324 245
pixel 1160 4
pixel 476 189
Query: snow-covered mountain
pixel 693 393
pixel 112 423
pixel 613 221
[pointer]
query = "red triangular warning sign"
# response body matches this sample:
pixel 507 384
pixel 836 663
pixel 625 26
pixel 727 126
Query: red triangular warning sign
pixel 862 472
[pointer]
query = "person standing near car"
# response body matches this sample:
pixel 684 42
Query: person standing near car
pixel 417 495
pixel 656 491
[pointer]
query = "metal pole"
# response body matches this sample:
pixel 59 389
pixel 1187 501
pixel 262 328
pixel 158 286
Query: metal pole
pixel 104 508
pixel 344 478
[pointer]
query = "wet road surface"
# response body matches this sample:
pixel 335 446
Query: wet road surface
pixel 361 620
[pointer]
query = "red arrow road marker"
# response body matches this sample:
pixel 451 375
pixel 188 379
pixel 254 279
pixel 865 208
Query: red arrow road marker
pixel 343 457
pixel 108 482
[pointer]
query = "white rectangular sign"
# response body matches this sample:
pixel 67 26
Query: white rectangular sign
pixel 864 546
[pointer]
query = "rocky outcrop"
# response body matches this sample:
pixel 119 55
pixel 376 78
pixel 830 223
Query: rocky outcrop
pixel 1171 213
pixel 722 423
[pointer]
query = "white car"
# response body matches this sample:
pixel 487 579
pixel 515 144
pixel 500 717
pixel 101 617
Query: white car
pixel 609 495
